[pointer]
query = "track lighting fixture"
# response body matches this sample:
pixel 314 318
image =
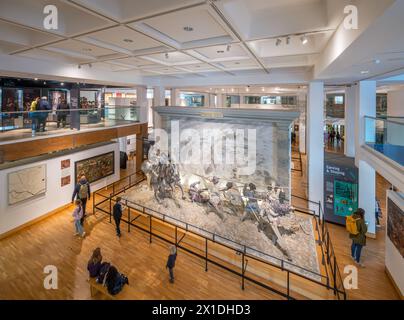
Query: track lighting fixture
pixel 287 40
pixel 228 47
pixel 166 55
pixel 278 42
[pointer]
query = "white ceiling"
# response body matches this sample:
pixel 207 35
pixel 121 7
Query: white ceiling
pixel 227 37
pixel 136 35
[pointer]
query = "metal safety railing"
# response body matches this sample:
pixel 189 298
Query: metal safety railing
pixel 206 245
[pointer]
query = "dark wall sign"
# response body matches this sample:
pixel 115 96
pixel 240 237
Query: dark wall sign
pixel 395 226
pixel 340 188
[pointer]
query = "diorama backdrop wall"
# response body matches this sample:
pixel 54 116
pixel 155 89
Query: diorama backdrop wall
pixel 13 216
pixel 273 141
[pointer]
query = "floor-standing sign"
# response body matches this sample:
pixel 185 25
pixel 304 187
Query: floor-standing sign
pixel 340 187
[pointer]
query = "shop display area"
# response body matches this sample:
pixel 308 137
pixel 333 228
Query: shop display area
pixel 238 214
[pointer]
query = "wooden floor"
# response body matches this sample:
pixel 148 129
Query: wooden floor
pixel 374 283
pixel 51 242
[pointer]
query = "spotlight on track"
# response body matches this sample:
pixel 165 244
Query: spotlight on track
pixel 304 40
pixel 287 40
pixel 278 42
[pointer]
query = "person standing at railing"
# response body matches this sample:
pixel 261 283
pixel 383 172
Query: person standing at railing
pixel 171 262
pixel 83 193
pixel 62 111
pixel 33 115
pixel 42 116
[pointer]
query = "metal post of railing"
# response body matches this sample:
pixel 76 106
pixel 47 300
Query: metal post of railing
pixel 206 254
pixel 150 230
pixel 110 209
pixel 176 237
pixel 129 221
pixel 335 275
pixel 243 268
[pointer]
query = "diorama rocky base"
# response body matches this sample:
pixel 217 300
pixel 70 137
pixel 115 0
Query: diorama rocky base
pixel 297 238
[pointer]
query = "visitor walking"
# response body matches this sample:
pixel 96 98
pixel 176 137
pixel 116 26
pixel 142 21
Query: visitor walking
pixel 378 213
pixel 77 216
pixel 117 214
pixel 357 228
pixel 171 262
pixel 83 193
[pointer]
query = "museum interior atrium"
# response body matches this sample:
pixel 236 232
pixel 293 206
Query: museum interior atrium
pixel 252 149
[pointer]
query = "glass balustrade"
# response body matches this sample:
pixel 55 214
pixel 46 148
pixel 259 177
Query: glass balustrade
pixel 24 124
pixel 386 136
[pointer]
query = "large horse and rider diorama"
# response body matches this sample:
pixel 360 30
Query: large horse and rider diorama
pixel 224 199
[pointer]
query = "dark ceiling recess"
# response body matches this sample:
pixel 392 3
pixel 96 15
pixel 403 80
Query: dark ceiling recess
pixel 44 83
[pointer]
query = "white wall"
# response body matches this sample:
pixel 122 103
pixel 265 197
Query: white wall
pixel 14 216
pixel 394 260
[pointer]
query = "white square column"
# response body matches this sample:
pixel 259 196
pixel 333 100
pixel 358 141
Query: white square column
pixel 315 143
pixel 159 97
pixel 350 105
pixel 366 106
pixel 142 102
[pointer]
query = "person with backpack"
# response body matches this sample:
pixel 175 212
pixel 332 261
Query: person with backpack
pixel 357 228
pixel 83 193
pixel 117 214
pixel 114 281
pixel 34 115
pixel 95 263
pixel 171 262
pixel 77 216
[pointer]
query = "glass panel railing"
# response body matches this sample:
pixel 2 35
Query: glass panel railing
pixel 24 124
pixel 386 136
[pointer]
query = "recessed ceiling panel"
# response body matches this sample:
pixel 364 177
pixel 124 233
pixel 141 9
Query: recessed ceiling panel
pixel 71 20
pixel 171 58
pixel 125 38
pixel 223 52
pixel 81 48
pixel 187 25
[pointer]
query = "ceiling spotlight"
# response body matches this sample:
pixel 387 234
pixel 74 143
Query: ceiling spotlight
pixel 247 89
pixel 287 40
pixel 188 29
pixel 44 82
pixel 263 89
pixel 220 51
pixel 36 79
pixel 79 66
pixel 278 42
pixel 90 65
pixel 87 49
pixel 223 89
pixel 377 61
pixel 232 89
pixel 304 40
pixel 62 84
pixel 166 55
pixel 228 47
pixel 365 72
pixel 128 40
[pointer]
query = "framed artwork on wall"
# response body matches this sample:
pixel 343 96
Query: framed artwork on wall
pixel 26 184
pixel 395 226
pixel 95 168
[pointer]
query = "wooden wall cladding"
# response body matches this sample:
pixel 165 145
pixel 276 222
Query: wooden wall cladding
pixel 37 147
